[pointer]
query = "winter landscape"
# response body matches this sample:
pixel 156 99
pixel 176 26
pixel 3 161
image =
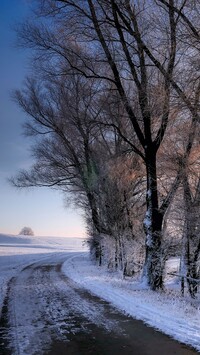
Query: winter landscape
pixel 107 96
pixel 42 282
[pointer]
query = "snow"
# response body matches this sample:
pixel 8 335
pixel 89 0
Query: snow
pixel 42 301
pixel 17 252
pixel 176 316
pixel 166 311
pixel 148 226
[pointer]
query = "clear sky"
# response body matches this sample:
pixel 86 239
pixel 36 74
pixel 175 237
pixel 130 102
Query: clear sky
pixel 41 209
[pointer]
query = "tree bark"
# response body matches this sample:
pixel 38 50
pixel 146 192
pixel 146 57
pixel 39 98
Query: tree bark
pixel 152 272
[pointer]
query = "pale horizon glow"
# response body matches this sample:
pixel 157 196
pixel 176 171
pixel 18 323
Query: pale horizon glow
pixel 42 210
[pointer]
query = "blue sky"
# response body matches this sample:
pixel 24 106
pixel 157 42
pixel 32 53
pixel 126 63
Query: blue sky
pixel 42 209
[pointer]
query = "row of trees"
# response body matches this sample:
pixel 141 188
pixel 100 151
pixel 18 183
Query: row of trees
pixel 114 108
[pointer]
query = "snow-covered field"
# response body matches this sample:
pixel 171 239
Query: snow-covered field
pixel 176 316
pixel 16 252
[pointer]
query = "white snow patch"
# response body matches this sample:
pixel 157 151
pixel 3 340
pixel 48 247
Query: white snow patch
pixel 147 220
pixel 149 193
pixel 166 311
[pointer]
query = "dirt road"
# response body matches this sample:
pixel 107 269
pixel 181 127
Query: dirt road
pixel 46 313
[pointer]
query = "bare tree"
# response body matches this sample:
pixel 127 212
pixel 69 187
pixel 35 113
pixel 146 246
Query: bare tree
pixel 124 47
pixel 62 116
pixel 26 231
pixel 191 232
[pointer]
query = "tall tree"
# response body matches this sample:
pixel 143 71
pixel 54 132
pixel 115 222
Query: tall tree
pixel 61 115
pixel 132 47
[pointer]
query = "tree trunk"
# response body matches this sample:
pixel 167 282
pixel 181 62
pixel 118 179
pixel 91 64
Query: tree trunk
pixel 184 258
pixel 189 265
pixel 153 270
pixel 191 254
pixel 194 272
pixel 116 254
pixel 95 215
pixel 121 252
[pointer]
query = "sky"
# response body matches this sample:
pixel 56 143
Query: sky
pixel 41 209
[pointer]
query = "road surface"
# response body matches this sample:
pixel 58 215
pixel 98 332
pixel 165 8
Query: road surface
pixel 47 313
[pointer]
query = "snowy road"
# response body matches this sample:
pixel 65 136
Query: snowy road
pixel 47 313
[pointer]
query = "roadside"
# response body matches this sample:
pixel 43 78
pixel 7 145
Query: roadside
pixel 177 316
